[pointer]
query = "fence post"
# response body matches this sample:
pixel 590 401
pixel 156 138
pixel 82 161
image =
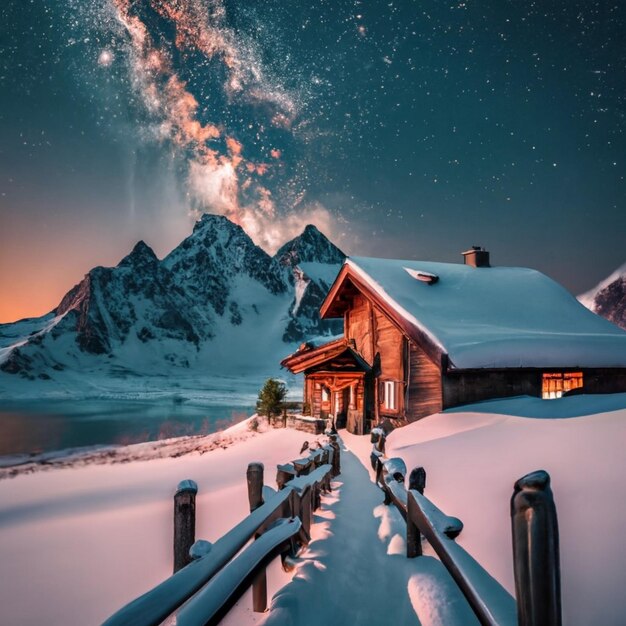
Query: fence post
pixel 380 479
pixel 413 538
pixel 184 522
pixel 317 495
pixel 536 551
pixel 302 468
pixel 254 477
pixel 336 460
pixel 284 473
pixel 327 487
pixel 417 479
pixel 306 511
pixel 325 456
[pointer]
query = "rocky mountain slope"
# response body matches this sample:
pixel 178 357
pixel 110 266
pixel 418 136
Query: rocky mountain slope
pixel 608 298
pixel 217 302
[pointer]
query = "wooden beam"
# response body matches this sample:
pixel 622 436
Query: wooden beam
pixel 376 400
pixel 329 374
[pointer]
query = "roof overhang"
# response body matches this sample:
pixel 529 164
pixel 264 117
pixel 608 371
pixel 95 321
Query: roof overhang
pixel 351 281
pixel 308 357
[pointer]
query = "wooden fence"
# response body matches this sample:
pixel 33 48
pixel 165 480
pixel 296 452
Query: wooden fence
pixel 209 579
pixel 535 546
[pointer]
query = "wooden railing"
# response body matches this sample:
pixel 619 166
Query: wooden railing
pixel 209 579
pixel 535 547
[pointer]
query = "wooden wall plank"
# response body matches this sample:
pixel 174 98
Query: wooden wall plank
pixel 359 327
pixel 425 387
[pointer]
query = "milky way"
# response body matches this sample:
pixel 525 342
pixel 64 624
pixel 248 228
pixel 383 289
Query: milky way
pixel 202 89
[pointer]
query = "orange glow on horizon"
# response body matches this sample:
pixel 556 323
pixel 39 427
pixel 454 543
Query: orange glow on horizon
pixel 24 303
pixel 41 260
pixel 34 285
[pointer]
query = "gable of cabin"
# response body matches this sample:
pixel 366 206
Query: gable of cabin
pixel 407 380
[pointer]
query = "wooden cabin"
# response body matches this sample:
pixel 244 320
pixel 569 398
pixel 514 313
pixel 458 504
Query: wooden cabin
pixel 420 337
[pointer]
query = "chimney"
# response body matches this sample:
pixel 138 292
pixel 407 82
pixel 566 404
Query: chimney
pixel 476 257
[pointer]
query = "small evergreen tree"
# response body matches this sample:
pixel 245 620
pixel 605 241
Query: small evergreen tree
pixel 271 397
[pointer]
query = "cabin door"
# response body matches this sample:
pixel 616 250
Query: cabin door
pixel 341 410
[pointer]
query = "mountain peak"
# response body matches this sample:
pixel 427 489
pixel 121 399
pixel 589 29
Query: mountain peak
pixel 212 229
pixel 142 253
pixel 212 258
pixel 141 248
pixel 211 219
pixel 608 298
pixel 311 229
pixel 311 246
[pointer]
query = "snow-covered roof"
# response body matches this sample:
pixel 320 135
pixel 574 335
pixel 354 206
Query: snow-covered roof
pixel 309 355
pixel 325 272
pixel 493 317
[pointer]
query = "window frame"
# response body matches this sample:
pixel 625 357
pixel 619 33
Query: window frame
pixel 325 394
pixel 555 384
pixel 390 399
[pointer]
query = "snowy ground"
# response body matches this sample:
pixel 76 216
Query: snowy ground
pixel 77 543
pixel 473 458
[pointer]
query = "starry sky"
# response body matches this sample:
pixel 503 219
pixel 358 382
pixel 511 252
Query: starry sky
pixel 403 129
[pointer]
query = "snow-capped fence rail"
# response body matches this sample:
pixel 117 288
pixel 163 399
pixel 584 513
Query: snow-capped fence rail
pixel 535 547
pixel 301 467
pixel 217 597
pixel 203 591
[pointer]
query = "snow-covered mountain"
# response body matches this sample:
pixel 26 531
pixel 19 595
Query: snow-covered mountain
pixel 216 303
pixel 308 264
pixel 608 298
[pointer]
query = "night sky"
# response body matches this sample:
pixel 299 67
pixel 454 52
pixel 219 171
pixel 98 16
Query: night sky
pixel 402 129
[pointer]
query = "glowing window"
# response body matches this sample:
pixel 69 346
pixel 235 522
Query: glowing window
pixel 555 384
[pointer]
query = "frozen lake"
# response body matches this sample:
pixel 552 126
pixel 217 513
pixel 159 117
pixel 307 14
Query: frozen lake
pixel 35 427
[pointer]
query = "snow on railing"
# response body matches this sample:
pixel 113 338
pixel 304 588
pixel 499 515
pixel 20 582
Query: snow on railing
pixel 209 579
pixel 217 597
pixel 535 547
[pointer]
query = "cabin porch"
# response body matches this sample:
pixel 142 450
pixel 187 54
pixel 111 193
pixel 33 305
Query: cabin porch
pixel 337 384
pixel 338 396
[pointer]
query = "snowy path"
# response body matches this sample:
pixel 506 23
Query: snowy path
pixel 355 570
